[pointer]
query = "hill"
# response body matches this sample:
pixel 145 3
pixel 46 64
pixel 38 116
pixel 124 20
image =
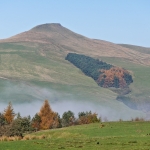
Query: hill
pixel 56 37
pixel 33 68
pixel 108 135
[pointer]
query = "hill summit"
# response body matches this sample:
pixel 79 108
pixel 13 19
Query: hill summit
pixel 57 37
pixel 47 27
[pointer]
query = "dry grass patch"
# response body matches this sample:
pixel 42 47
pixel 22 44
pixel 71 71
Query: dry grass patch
pixel 33 137
pixel 13 138
pixel 18 138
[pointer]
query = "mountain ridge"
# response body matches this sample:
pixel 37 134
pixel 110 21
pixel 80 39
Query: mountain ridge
pixel 59 37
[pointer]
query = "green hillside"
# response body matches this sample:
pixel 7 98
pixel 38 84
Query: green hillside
pixel 141 85
pixel 33 68
pixel 26 74
pixel 108 135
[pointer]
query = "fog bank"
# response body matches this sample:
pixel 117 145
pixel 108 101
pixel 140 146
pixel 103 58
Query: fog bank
pixel 106 113
pixel 28 99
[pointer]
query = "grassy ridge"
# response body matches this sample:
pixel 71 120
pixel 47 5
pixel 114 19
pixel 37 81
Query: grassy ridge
pixel 114 135
pixel 137 48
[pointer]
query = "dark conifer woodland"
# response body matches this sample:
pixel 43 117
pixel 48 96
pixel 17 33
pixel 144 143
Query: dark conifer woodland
pixel 106 75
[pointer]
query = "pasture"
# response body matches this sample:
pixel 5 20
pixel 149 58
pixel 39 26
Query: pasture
pixel 119 135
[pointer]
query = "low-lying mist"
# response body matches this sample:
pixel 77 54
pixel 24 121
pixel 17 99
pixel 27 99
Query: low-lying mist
pixel 106 113
pixel 28 99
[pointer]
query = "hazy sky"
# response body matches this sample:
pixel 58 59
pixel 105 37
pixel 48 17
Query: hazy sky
pixel 118 21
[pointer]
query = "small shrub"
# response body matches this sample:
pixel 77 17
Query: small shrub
pixel 27 137
pixel 138 119
pixel 4 138
pixel 17 138
pixel 120 120
pixel 33 137
pixel 132 142
pixel 42 137
pixel 11 139
pixel 102 125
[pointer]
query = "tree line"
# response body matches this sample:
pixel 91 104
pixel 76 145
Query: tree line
pixel 105 75
pixel 12 124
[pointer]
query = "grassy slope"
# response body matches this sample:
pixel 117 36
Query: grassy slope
pixel 29 65
pixel 141 85
pixel 37 67
pixel 32 72
pixel 137 48
pixel 114 135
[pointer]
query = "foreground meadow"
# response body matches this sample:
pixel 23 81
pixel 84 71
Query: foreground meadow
pixel 105 136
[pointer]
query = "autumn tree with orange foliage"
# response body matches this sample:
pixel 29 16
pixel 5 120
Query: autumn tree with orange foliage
pixel 9 113
pixel 114 77
pixel 49 119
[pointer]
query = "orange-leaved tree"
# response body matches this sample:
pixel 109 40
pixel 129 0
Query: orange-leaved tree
pixel 9 113
pixel 114 77
pixel 49 118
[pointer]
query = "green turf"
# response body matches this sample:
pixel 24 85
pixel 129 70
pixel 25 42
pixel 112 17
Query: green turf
pixel 113 135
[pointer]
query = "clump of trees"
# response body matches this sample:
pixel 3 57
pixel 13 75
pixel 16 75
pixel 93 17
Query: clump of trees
pixel 88 65
pixel 88 117
pixel 104 74
pixel 114 77
pixel 12 124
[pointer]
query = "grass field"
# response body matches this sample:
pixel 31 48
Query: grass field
pixel 109 135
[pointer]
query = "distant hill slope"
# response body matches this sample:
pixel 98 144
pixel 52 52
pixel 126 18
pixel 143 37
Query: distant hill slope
pixel 56 38
pixel 33 68
pixel 137 48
